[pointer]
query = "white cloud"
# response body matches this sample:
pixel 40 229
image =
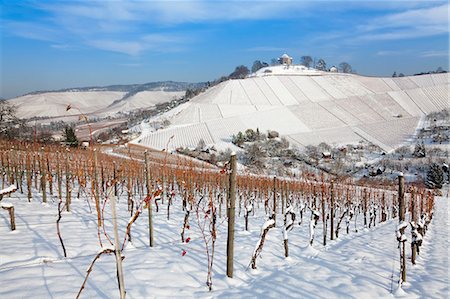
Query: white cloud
pixel 32 30
pixel 442 53
pixel 412 23
pixel 132 27
pixel 437 15
pixel 126 47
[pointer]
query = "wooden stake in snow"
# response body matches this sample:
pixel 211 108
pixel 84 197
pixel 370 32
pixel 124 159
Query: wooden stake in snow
pixel 332 211
pixel 401 204
pixel 10 209
pixel 29 179
pixel 68 191
pixel 117 249
pixel 96 190
pixel 231 215
pixel 274 216
pixel 324 216
pixel 43 176
pixel 149 204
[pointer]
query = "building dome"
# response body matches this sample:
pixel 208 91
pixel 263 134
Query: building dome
pixel 285 59
pixel 333 69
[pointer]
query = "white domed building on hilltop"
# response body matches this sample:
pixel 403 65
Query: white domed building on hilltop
pixel 285 59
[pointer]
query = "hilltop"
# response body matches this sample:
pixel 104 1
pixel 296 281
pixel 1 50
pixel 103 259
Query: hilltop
pixel 306 106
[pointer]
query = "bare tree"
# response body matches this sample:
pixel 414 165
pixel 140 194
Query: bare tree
pixel 240 72
pixel 306 61
pixel 257 65
pixel 345 67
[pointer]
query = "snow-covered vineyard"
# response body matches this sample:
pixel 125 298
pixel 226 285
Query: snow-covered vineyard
pixel 308 108
pixel 98 103
pixel 307 237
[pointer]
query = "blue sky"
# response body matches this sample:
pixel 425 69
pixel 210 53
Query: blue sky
pixel 48 45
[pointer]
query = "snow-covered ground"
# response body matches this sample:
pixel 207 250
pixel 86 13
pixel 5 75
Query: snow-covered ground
pixel 357 265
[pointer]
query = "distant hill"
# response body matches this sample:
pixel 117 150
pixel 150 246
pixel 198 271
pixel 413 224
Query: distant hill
pixel 103 101
pixel 131 88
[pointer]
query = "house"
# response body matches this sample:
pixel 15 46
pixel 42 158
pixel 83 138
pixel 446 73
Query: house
pixel 326 155
pixel 333 69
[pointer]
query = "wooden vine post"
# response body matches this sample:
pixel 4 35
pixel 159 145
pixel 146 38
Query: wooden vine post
pixel 58 176
pixel 50 176
pixel 96 190
pixel 10 209
pixel 68 198
pixel 365 206
pixel 149 203
pixel 43 176
pixel 401 204
pixel 332 211
pixel 29 179
pixel 275 199
pixel 116 193
pixel 231 215
pixel 324 216
pixel 117 250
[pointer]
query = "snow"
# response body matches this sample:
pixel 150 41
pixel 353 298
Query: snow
pixel 297 101
pixel 9 189
pixel 267 224
pixel 54 104
pixel 98 103
pixel 354 266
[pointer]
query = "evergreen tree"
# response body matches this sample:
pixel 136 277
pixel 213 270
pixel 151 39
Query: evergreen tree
pixel 238 139
pixel 69 136
pixel 435 177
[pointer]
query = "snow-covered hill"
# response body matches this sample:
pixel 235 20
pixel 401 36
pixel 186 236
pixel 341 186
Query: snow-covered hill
pixel 308 107
pixel 99 101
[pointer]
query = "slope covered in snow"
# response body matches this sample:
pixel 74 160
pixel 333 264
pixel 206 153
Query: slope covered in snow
pixel 99 101
pixel 310 107
pixel 356 265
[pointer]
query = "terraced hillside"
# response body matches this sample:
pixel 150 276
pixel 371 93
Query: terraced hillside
pixel 307 108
